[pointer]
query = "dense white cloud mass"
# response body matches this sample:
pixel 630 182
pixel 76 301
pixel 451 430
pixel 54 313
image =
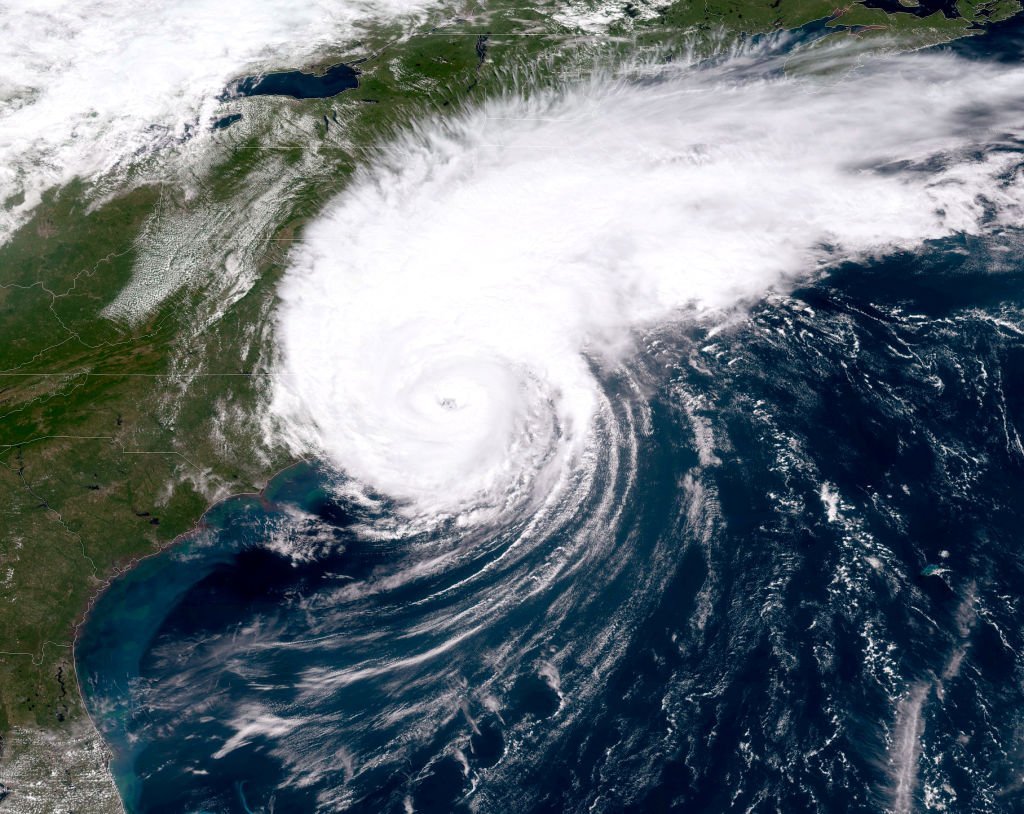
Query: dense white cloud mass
pixel 90 85
pixel 437 322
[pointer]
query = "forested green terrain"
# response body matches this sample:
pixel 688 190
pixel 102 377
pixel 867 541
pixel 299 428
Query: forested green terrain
pixel 117 434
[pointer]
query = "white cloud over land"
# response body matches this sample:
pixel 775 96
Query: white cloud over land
pixel 90 87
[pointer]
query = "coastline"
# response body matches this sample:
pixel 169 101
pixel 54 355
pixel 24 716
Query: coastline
pixel 197 527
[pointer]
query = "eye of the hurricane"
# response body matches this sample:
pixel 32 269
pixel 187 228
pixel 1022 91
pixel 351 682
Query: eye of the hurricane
pixel 445 424
pixel 465 409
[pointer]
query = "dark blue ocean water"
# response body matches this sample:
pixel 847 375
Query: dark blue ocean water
pixel 804 594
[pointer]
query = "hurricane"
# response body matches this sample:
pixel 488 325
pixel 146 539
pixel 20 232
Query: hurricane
pixel 659 439
pixel 443 325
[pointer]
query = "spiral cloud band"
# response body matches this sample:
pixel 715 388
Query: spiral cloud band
pixel 443 322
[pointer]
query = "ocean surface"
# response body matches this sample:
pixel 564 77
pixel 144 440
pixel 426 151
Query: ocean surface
pixel 794 584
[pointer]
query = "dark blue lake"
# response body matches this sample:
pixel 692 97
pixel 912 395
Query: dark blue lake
pixel 297 84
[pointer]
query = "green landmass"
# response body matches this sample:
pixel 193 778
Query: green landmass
pixel 116 436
